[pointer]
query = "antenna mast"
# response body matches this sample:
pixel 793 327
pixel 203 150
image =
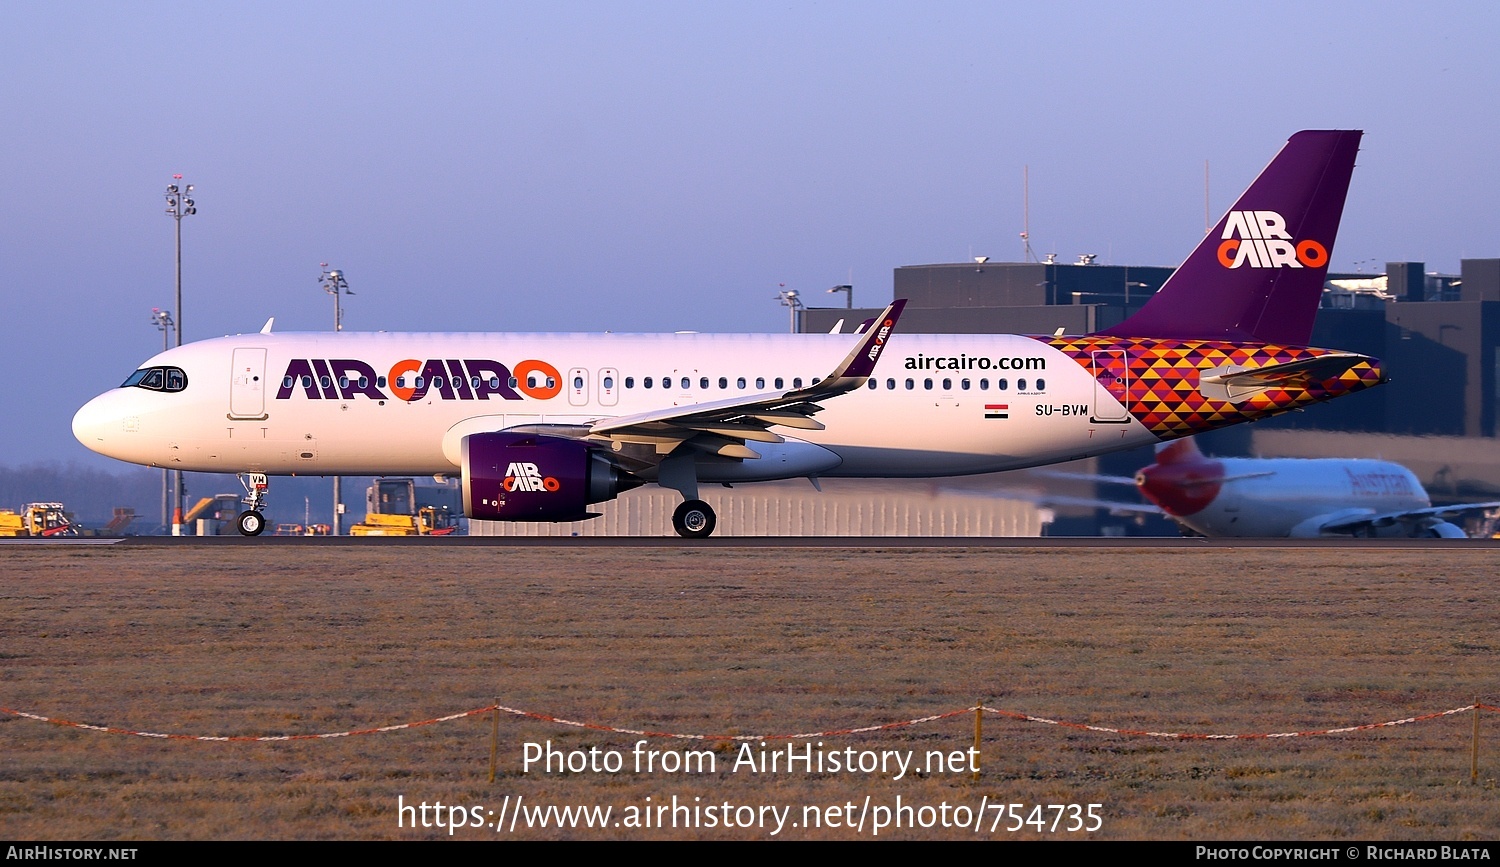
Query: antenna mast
pixel 1026 254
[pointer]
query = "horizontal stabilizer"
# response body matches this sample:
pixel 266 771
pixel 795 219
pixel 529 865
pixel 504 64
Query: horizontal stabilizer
pixel 1235 383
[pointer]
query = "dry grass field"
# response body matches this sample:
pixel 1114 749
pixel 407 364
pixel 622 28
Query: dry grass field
pixel 305 639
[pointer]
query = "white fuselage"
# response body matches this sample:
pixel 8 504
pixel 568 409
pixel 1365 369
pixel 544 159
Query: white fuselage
pixel 1292 497
pixel 295 403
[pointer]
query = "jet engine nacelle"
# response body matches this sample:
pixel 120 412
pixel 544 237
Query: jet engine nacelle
pixel 1444 530
pixel 533 477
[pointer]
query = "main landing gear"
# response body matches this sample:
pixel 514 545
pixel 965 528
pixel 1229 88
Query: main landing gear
pixel 252 521
pixel 694 519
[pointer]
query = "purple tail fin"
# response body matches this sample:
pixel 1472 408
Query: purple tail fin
pixel 1259 274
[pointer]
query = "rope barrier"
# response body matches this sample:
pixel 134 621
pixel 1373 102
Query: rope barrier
pixel 844 732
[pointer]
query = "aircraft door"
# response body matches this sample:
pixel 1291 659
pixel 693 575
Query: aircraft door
pixel 609 386
pixel 1111 387
pixel 247 384
pixel 578 387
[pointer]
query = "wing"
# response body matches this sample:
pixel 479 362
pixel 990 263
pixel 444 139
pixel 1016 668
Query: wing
pixel 724 427
pixel 1420 518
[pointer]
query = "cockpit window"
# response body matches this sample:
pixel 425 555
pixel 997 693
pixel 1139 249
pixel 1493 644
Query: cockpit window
pixel 169 379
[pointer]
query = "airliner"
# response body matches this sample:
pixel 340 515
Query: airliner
pixel 1290 497
pixel 538 427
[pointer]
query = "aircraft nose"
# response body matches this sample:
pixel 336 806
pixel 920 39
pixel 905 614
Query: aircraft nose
pixel 99 423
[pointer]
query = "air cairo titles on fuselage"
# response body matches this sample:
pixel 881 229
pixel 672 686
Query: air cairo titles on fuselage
pixel 412 380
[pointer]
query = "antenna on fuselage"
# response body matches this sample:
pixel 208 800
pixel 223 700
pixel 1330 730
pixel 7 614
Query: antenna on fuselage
pixel 266 329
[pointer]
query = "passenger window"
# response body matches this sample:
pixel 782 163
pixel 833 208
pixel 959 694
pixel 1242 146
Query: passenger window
pixel 307 381
pixel 797 382
pixel 1020 385
pixel 513 382
pixel 890 384
pixel 927 384
pixel 609 382
pixel 760 382
pixel 703 383
pixel 343 382
pixel 779 382
pixel 874 383
pixel 963 384
pixel 1041 384
pixel 646 383
pixel 984 384
pixel 1002 384
pixel 630 382
pixel 723 382
pixel 740 382
pixel 287 382
pixel 910 384
pixel 947 385
pixel 578 382
pixel 686 383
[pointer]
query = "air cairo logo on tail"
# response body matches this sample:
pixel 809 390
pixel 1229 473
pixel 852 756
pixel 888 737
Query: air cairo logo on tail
pixel 1259 239
pixel 879 344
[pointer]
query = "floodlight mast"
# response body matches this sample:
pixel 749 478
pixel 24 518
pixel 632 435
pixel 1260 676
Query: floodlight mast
pixel 791 300
pixel 179 204
pixel 162 319
pixel 335 284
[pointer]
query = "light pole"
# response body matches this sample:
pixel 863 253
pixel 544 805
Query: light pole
pixel 791 300
pixel 179 204
pixel 848 291
pixel 162 319
pixel 334 284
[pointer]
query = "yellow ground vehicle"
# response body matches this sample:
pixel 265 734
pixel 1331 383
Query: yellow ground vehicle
pixel 427 522
pixel 397 507
pixel 38 520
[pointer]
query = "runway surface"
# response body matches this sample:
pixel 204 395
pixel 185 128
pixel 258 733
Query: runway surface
pixel 837 542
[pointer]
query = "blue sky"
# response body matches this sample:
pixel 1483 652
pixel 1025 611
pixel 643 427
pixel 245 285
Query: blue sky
pixel 665 166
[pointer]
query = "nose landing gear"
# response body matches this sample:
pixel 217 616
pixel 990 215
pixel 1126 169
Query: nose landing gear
pixel 252 521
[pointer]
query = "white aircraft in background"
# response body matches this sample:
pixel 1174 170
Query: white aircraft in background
pixel 1288 497
pixel 540 426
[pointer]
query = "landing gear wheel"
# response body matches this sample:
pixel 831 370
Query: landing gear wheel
pixel 251 523
pixel 694 519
